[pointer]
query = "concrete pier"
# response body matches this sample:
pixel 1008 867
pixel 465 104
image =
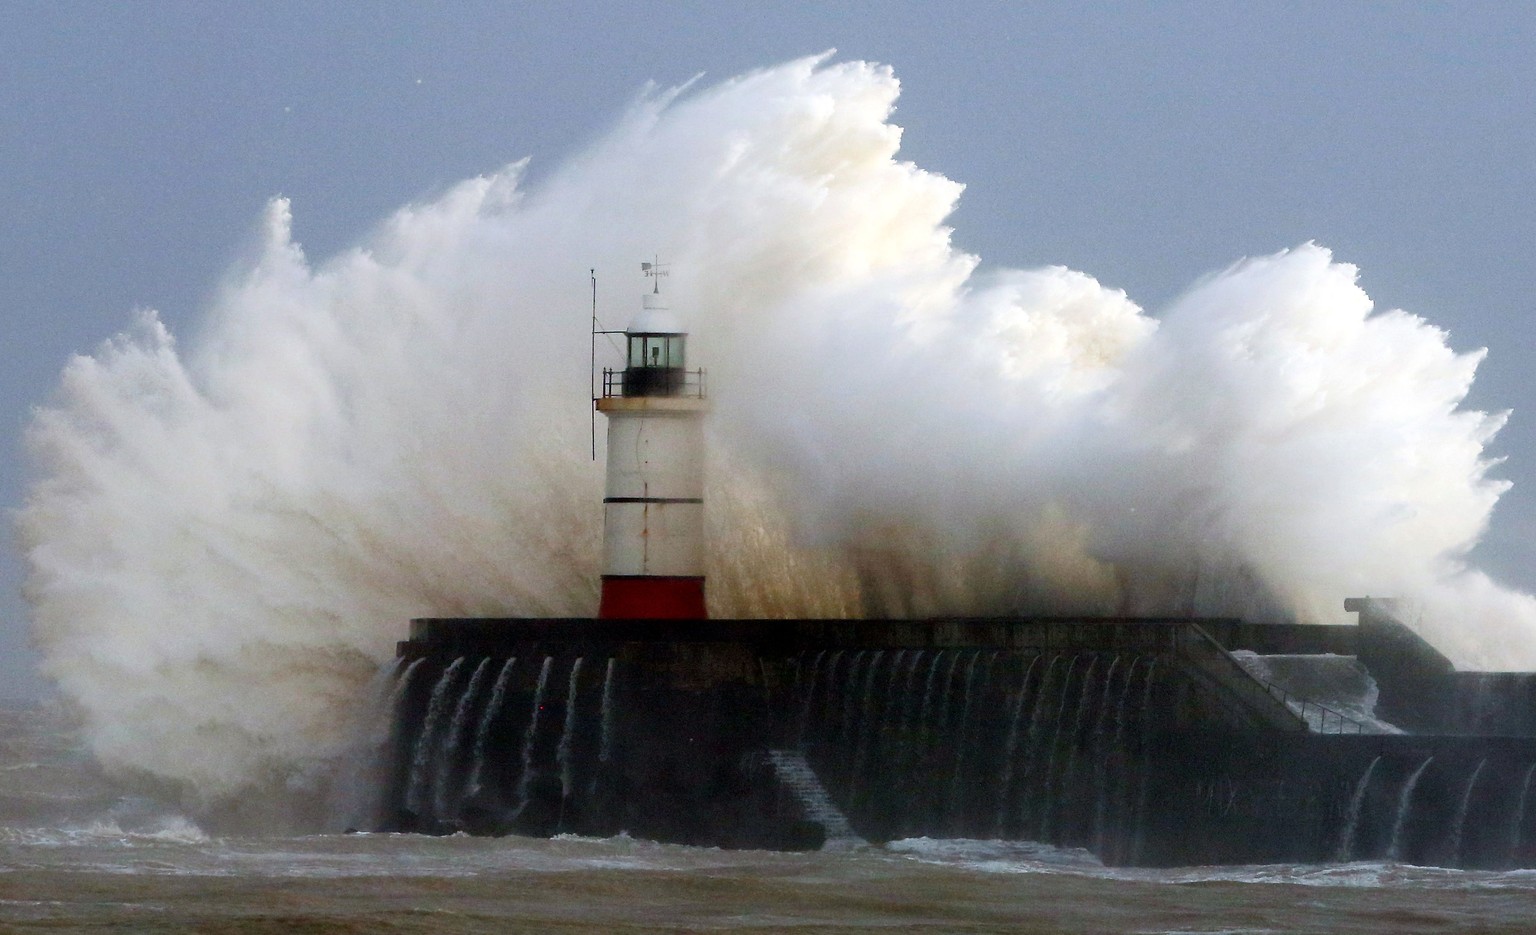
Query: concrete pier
pixel 1147 741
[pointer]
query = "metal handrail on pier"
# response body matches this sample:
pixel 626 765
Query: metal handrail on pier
pixel 1205 659
pixel 1262 700
pixel 1302 706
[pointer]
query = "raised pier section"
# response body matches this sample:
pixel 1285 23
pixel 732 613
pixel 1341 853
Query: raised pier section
pixel 1147 741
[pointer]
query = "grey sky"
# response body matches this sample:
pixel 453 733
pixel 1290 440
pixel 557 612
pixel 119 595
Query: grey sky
pixel 1144 144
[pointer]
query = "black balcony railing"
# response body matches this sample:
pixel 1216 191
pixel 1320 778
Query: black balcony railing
pixel 653 381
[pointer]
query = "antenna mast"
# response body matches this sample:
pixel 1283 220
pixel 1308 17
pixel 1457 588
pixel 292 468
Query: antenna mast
pixel 592 371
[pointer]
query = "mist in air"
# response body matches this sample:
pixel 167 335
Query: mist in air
pixel 227 533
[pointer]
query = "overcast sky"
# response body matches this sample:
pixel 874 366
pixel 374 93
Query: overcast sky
pixel 1145 144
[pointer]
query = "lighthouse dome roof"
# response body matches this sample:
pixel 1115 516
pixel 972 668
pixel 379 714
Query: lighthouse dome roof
pixel 655 318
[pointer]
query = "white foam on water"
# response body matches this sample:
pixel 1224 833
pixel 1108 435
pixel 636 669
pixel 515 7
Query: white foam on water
pixel 995 856
pixel 1024 857
pixel 107 831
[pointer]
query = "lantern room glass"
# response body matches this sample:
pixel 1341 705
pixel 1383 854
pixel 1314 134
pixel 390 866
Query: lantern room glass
pixel 660 351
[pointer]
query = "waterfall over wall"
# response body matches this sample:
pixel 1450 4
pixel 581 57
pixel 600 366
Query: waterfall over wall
pixel 1143 741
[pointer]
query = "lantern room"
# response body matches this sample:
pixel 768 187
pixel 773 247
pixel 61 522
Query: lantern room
pixel 655 357
pixel 655 363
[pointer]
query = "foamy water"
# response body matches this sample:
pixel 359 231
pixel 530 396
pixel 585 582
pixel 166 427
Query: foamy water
pixel 1341 684
pixel 227 531
pixel 121 860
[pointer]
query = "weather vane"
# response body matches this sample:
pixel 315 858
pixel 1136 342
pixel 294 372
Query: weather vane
pixel 655 270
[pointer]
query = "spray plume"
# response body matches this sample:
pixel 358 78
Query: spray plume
pixel 226 538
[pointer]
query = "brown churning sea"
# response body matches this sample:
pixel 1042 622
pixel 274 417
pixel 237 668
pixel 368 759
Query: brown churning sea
pixel 78 855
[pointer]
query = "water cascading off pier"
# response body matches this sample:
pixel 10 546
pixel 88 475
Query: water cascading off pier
pixel 1130 738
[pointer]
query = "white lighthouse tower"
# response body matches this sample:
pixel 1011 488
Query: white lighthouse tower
pixel 653 508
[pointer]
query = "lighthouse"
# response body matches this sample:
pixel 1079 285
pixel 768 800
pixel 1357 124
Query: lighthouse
pixel 653 503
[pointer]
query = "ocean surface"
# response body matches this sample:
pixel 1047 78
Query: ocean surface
pixel 77 854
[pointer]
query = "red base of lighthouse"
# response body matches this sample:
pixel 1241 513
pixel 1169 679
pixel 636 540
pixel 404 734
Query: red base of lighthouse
pixel 647 597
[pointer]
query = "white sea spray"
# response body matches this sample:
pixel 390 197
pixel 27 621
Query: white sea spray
pixel 225 536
